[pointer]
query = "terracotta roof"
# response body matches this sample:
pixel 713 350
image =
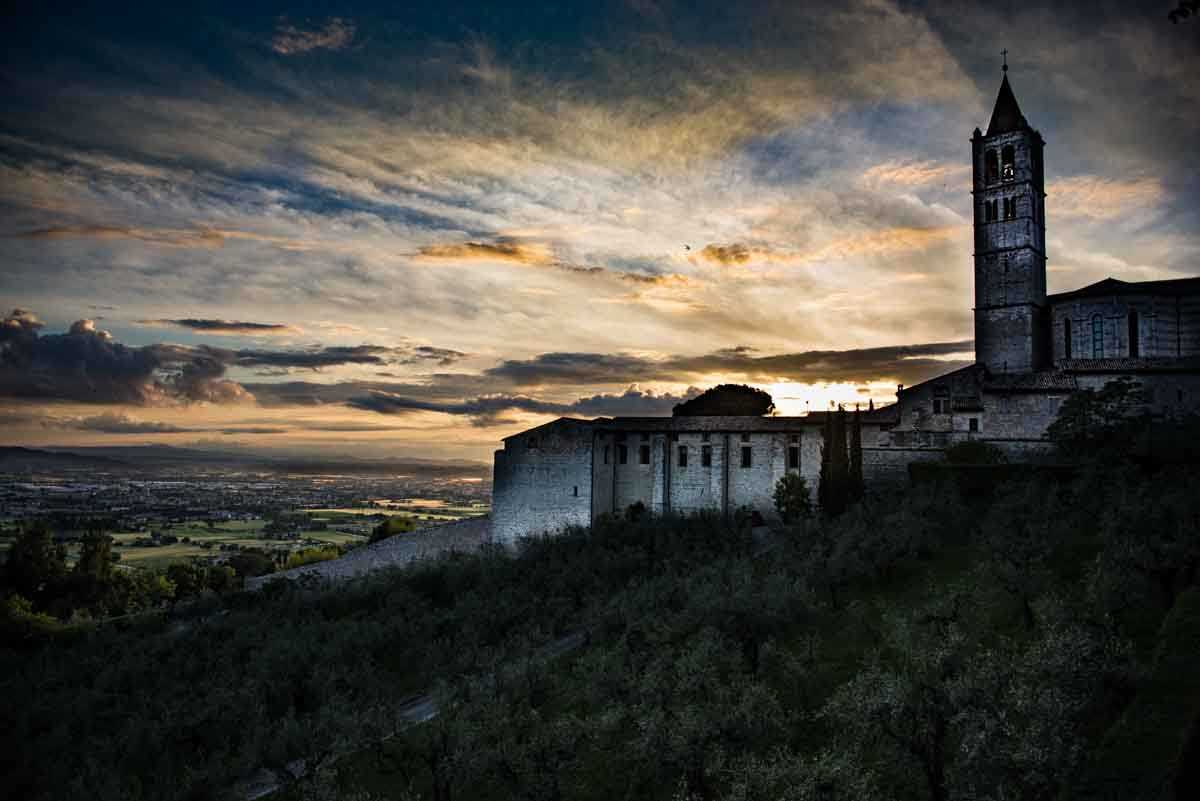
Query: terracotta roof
pixel 1006 116
pixel 1113 286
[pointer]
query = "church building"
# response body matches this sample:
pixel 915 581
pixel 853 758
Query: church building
pixel 1032 350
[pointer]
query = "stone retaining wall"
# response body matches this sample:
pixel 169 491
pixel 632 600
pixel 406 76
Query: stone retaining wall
pixel 400 549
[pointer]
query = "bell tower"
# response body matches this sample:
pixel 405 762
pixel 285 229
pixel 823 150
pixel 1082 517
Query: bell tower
pixel 1010 240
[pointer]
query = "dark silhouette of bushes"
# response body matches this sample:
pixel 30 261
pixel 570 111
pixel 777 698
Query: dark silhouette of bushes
pixel 913 647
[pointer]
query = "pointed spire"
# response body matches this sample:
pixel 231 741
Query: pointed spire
pixel 1006 116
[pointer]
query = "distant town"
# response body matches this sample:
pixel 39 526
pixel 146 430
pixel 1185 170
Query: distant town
pixel 164 511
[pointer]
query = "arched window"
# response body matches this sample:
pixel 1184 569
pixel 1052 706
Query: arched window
pixel 1134 345
pixel 1007 163
pixel 1097 337
pixel 991 167
pixel 1067 339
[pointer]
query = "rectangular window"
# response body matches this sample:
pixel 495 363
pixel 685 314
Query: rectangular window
pixel 576 491
pixel 606 454
pixel 531 443
pixel 746 458
pixel 644 454
pixel 745 437
pixel 704 437
pixel 973 424
pixel 941 406
pixel 1097 337
pixel 645 437
pixel 794 457
pixel 623 453
pixel 706 455
pixel 683 455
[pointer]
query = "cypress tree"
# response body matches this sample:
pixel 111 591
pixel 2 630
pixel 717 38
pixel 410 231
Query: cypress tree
pixel 856 487
pixel 839 464
pixel 823 488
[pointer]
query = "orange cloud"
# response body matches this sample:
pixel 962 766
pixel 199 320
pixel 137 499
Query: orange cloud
pixel 735 253
pixel 513 252
pixel 915 173
pixel 336 34
pixel 888 240
pixel 1099 198
pixel 209 238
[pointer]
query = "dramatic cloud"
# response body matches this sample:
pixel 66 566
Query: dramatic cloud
pixel 911 174
pixel 488 410
pixel 313 359
pixel 489 251
pixel 112 423
pixel 82 365
pixel 907 363
pixel 1098 198
pixel 203 238
pixel 335 34
pixel 575 368
pixel 726 254
pixel 227 327
pixel 578 206
pixel 87 365
pixel 427 353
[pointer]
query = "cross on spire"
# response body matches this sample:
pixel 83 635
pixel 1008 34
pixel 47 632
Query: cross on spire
pixel 1004 53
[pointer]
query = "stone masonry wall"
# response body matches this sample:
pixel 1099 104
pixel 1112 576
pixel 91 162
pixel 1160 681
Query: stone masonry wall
pixel 1167 326
pixel 697 487
pixel 543 481
pixel 426 543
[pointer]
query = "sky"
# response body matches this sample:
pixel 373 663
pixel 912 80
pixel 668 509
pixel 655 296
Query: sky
pixel 379 230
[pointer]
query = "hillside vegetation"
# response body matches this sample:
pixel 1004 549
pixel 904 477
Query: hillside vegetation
pixel 916 647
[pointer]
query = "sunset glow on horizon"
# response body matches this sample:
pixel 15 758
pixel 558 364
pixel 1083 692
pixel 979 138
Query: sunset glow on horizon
pixel 393 232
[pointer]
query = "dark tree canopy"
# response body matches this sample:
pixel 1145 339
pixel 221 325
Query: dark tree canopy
pixel 727 399
pixel 1185 9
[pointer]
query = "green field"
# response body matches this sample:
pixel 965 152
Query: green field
pixel 344 527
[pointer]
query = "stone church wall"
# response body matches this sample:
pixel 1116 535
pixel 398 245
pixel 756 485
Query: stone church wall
pixel 754 486
pixel 1168 326
pixel 696 487
pixel 543 481
pixel 636 481
pixel 1019 416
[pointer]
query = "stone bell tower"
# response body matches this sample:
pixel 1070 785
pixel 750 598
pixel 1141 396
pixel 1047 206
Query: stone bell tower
pixel 1010 240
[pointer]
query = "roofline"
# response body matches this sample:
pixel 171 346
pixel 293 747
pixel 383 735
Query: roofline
pixel 1115 286
pixel 580 420
pixel 939 376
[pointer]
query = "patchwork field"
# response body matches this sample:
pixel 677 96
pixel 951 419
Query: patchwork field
pixel 337 526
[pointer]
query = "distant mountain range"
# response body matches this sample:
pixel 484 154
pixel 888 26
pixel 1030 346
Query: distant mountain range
pixel 15 460
pixel 133 457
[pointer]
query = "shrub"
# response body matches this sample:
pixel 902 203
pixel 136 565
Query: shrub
pixel 308 556
pixel 391 526
pixel 973 451
pixel 791 498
